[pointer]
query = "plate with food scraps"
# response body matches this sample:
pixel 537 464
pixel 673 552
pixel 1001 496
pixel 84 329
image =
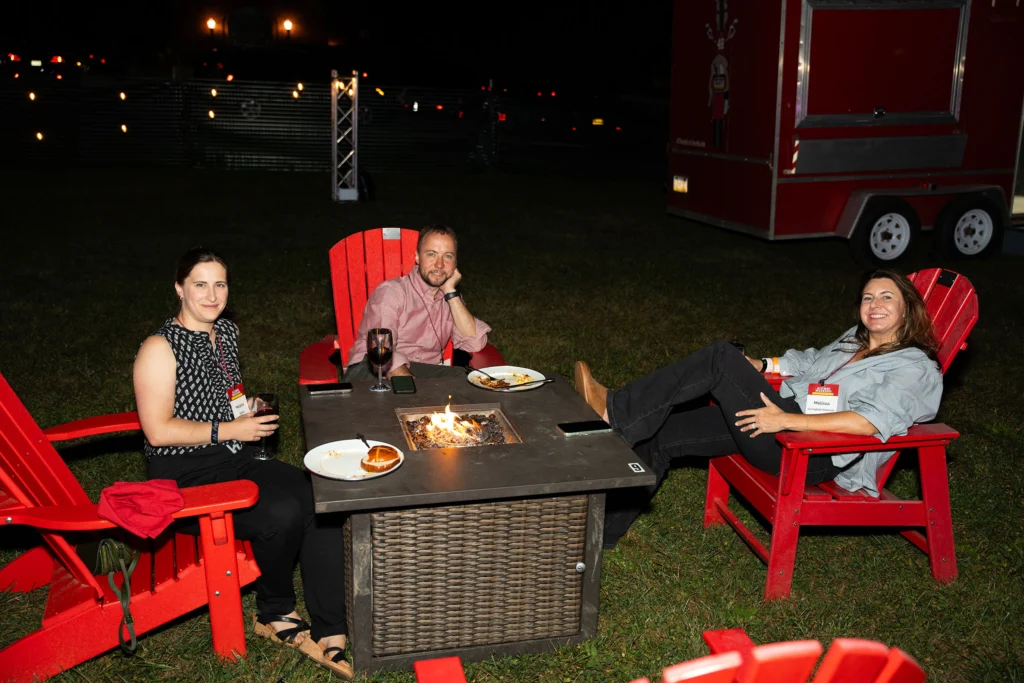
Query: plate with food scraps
pixel 506 378
pixel 343 460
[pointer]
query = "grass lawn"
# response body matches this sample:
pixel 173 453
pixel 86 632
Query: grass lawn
pixel 563 267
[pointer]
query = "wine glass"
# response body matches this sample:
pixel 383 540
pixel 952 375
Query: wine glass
pixel 379 347
pixel 266 404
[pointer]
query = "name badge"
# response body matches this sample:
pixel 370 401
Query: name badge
pixel 239 405
pixel 822 398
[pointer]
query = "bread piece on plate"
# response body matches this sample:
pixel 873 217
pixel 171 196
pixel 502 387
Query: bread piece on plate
pixel 380 459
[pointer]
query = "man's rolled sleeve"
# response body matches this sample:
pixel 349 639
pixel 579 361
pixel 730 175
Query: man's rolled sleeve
pixel 905 396
pixel 471 344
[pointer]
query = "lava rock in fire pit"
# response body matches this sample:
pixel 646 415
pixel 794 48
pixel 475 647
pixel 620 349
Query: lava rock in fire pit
pixel 484 430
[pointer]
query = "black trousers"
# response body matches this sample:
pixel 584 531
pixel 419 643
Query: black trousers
pixel 282 527
pixel 652 415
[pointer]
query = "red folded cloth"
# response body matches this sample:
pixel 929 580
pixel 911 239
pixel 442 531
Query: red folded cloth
pixel 143 508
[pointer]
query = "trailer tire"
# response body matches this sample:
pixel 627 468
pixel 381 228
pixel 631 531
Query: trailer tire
pixel 970 227
pixel 887 232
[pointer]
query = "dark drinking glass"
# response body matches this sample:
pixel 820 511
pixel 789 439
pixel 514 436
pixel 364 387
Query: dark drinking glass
pixel 266 404
pixel 379 348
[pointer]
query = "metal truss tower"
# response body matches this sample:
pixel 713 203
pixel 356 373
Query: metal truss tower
pixel 345 133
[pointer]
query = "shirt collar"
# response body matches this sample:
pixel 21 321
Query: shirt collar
pixel 421 287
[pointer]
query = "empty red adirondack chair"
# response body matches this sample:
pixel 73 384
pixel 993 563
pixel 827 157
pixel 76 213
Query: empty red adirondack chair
pixel 82 614
pixel 359 263
pixel 849 660
pixel 788 504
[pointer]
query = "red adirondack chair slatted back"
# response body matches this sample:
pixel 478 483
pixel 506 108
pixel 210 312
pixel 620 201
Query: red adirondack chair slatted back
pixel 714 669
pixel 359 263
pixel 901 668
pixel 790 662
pixel 851 660
pixel 34 474
pixel 953 307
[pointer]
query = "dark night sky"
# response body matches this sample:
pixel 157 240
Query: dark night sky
pixel 530 41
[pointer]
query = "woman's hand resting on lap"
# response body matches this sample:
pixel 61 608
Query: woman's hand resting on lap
pixel 767 420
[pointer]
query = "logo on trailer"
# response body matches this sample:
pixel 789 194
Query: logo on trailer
pixel 718 83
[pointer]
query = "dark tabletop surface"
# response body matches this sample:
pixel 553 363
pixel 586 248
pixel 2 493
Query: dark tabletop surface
pixel 546 463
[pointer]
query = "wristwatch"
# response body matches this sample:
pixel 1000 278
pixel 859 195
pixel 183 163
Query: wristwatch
pixel 451 295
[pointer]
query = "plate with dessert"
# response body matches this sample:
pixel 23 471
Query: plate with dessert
pixel 351 460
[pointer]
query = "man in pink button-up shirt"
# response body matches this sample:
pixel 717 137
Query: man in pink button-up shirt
pixel 423 310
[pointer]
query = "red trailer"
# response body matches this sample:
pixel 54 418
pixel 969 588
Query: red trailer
pixel 862 119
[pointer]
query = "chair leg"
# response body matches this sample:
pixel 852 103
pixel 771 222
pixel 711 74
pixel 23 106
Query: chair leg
pixel 221 567
pixel 935 495
pixel 27 572
pixel 785 531
pixel 718 488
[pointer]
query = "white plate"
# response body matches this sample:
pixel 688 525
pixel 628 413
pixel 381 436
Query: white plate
pixel 509 374
pixel 340 460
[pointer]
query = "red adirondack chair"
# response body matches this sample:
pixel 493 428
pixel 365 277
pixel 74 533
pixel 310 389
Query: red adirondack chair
pixel 789 504
pixel 359 263
pixel 173 575
pixel 849 660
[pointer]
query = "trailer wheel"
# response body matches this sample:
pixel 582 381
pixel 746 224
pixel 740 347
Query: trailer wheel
pixel 970 227
pixel 887 233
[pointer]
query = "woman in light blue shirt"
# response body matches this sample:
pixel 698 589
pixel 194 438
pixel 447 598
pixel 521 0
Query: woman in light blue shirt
pixel 877 378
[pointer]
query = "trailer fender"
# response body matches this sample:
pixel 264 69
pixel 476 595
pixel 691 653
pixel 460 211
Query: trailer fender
pixel 858 201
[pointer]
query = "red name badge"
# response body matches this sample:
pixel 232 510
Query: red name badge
pixel 822 398
pixel 239 406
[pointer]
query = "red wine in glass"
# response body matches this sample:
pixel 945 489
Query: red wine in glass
pixel 266 404
pixel 379 348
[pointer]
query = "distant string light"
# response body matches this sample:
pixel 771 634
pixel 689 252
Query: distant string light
pixel 300 87
pixel 295 94
pixel 123 96
pixel 213 92
pixel 230 77
pixel 211 114
pixel 39 136
pixel 32 96
pixel 124 128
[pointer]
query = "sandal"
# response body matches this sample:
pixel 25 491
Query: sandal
pixel 286 636
pixel 331 658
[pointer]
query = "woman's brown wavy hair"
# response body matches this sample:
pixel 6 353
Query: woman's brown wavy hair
pixel 916 330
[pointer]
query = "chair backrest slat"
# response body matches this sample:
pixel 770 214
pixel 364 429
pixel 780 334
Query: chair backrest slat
pixel 901 668
pixel 720 668
pixel 790 662
pixel 852 660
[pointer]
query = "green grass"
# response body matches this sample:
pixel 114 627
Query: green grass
pixel 562 268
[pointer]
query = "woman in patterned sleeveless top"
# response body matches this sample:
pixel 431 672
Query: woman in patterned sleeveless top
pixel 183 375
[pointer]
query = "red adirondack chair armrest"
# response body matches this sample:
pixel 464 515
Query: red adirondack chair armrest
pixel 91 426
pixel 833 442
pixel 199 501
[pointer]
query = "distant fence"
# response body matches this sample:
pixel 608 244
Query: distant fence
pixel 233 125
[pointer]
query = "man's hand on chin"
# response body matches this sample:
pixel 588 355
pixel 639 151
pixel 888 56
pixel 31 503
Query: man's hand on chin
pixel 401 370
pixel 449 285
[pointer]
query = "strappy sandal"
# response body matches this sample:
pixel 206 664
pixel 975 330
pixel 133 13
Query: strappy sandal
pixel 333 659
pixel 261 626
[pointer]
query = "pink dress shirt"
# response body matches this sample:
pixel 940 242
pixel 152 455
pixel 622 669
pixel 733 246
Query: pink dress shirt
pixel 420 322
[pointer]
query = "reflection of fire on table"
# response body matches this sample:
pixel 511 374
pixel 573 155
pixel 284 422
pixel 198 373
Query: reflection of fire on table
pixel 452 429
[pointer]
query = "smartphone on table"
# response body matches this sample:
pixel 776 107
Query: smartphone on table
pixel 584 427
pixel 403 384
pixel 330 389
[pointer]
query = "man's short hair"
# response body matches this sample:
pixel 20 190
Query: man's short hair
pixel 437 229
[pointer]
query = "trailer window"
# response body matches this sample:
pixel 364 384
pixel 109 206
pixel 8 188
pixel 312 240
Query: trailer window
pixel 881 63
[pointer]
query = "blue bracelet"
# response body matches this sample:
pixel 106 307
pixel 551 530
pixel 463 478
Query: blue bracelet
pixel 213 432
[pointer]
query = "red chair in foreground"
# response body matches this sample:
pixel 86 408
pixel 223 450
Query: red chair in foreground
pixel 173 577
pixel 735 659
pixel 789 504
pixel 849 660
pixel 359 263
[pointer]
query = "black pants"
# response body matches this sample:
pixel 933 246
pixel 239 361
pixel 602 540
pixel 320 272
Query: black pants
pixel 282 527
pixel 649 413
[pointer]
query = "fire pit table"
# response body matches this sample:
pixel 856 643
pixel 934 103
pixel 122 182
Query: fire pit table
pixel 493 548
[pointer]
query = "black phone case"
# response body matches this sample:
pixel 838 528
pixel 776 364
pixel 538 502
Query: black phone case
pixel 408 385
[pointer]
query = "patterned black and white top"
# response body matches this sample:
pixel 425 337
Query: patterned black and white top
pixel 203 375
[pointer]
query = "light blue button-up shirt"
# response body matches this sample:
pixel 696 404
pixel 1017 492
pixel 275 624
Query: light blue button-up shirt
pixel 893 392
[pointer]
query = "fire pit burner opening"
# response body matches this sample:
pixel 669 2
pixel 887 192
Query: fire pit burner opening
pixel 467 426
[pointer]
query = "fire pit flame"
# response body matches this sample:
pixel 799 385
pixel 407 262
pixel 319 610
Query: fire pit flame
pixel 465 427
pixel 450 428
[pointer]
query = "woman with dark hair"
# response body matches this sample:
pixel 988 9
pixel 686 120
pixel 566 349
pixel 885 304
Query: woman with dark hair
pixel 199 429
pixel 878 378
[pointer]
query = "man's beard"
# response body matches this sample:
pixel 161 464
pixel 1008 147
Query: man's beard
pixel 425 275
